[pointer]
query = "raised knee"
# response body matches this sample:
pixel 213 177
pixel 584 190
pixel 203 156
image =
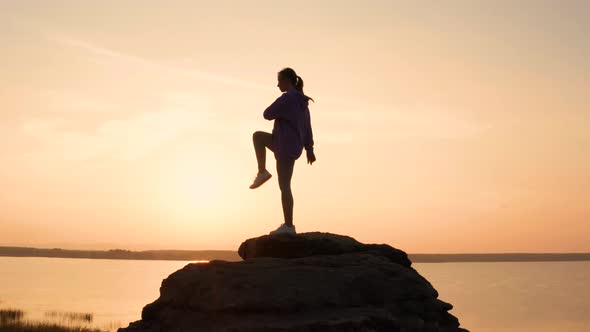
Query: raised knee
pixel 256 134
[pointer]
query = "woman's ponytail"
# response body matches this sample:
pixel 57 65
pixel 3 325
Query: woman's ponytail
pixel 295 79
pixel 299 85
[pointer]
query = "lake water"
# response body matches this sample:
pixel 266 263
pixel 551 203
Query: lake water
pixel 487 297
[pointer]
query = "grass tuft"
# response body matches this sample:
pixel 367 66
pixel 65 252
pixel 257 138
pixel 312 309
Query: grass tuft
pixel 11 320
pixel 25 326
pixel 71 316
pixel 10 315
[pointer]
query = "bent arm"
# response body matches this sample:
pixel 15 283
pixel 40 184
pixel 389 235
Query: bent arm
pixel 275 109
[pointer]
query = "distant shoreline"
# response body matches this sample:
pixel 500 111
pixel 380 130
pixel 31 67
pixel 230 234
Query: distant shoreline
pixel 500 257
pixel 229 255
pixel 169 255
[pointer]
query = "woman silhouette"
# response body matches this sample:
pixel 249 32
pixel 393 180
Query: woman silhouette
pixel 290 134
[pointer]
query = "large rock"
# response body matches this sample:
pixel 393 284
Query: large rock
pixel 339 285
pixel 313 244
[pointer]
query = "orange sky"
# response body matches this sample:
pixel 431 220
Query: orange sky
pixel 460 126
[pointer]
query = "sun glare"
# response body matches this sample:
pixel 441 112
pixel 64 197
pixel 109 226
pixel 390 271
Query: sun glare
pixel 189 188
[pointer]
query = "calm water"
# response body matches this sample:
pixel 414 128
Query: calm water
pixel 488 297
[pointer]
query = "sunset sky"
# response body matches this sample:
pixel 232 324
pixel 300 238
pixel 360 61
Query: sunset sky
pixel 440 126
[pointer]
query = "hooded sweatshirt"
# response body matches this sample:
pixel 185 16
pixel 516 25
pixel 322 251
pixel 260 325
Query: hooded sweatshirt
pixel 292 127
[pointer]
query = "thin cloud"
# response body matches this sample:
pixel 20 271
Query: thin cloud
pixel 139 61
pixel 127 139
pixel 403 122
pixel 130 59
pixel 66 101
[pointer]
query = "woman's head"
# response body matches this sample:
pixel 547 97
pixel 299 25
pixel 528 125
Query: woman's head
pixel 287 78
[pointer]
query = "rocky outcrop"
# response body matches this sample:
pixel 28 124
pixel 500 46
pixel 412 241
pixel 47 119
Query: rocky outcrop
pixel 314 244
pixel 305 282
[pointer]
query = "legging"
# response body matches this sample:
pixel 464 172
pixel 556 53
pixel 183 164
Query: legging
pixel 263 140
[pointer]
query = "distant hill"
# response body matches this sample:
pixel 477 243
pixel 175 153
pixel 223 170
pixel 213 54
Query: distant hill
pixel 230 255
pixel 499 257
pixel 180 255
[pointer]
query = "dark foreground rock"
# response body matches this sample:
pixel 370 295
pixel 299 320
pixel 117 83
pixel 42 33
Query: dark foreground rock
pixel 308 282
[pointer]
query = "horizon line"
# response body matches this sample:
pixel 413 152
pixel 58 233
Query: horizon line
pixel 232 250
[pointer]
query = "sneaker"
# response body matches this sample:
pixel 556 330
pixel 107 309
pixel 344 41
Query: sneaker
pixel 284 229
pixel 261 178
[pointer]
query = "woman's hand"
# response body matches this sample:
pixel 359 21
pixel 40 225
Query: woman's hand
pixel 310 157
